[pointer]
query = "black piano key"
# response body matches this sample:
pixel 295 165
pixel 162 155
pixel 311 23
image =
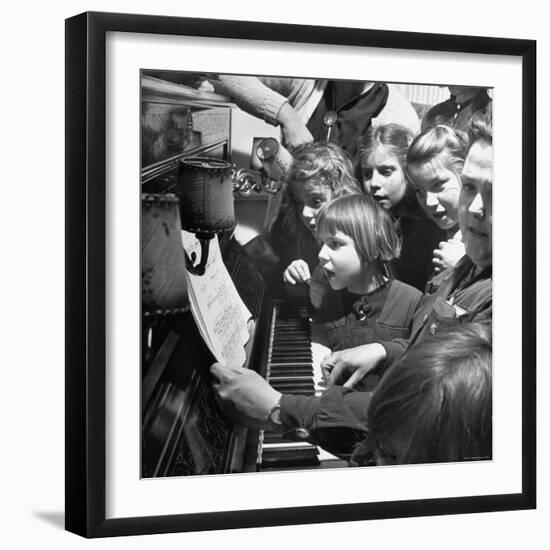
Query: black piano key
pixel 283 350
pixel 280 364
pixel 273 437
pixel 292 345
pixel 281 353
pixel 291 357
pixel 290 456
pixel 291 335
pixel 291 349
pixel 291 366
pixel 289 451
pixel 276 438
pixel 296 352
pixel 296 449
pixel 293 383
pixel 291 363
pixel 281 377
pixel 284 373
pixel 290 380
pixel 292 339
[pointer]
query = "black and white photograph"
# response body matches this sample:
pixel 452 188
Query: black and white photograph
pixel 316 268
pixel 249 298
pixel 281 242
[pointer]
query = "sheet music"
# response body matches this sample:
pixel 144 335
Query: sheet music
pixel 219 312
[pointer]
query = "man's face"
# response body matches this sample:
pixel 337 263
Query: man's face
pixel 475 204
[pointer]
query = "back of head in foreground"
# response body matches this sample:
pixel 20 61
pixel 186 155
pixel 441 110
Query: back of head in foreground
pixel 435 404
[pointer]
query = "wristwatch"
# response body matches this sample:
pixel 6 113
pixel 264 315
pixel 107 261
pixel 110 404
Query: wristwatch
pixel 274 415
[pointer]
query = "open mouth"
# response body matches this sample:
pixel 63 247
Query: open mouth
pixel 328 273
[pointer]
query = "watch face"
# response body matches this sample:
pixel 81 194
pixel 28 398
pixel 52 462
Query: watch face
pixel 275 415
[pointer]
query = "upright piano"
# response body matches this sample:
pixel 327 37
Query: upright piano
pixel 184 431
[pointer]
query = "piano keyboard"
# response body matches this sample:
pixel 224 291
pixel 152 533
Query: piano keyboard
pixel 295 352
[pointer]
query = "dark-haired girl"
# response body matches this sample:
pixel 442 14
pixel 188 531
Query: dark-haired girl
pixel 383 160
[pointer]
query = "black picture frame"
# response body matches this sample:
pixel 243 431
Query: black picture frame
pixel 86 268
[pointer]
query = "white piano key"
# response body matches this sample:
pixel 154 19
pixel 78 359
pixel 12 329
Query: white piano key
pixel 319 350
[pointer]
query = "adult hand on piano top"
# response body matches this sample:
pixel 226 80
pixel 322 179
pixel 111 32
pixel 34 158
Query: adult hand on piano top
pixel 245 395
pixel 297 272
pixel 349 366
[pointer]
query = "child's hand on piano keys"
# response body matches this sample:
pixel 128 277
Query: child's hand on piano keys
pixel 297 272
pixel 349 366
pixel 245 396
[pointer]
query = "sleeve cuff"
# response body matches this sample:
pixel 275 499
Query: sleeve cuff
pixel 337 407
pixel 271 108
pixel 298 410
pixel 336 421
pixel 394 350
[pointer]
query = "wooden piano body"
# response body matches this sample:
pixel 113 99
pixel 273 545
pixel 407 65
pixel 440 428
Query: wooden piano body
pixel 183 430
